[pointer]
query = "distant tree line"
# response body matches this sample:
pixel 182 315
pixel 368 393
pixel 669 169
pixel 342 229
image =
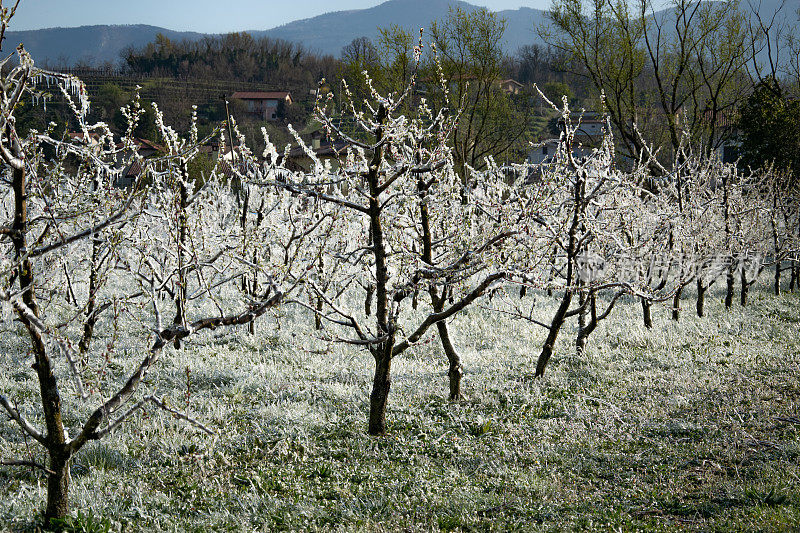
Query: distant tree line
pixel 469 50
pixel 238 56
pixel 499 125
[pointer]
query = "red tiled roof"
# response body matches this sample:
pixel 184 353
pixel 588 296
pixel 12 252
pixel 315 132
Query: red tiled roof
pixel 149 144
pixel 133 170
pixel 255 95
pixel 139 143
pixel 724 119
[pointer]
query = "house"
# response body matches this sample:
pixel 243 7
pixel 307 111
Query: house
pixel 78 136
pixel 323 150
pixel 587 137
pixel 147 148
pixel 591 129
pixel 543 152
pixel 211 150
pixel 92 142
pixel 264 105
pixel 727 137
pixel 128 167
pixel 133 167
pixel 510 86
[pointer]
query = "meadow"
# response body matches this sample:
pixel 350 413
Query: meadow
pixel 690 426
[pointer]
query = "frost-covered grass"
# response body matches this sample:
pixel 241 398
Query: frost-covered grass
pixel 690 425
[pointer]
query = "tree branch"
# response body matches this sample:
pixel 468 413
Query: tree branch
pixel 11 462
pixel 23 423
pixel 433 318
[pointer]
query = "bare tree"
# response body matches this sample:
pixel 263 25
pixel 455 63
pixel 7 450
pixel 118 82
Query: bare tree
pixel 611 239
pixel 469 55
pixel 669 71
pixel 409 232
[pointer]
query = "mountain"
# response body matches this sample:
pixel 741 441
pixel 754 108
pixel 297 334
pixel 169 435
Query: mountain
pixel 326 34
pixel 330 32
pixel 92 45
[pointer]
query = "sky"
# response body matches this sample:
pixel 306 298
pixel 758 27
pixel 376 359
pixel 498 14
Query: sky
pixel 206 16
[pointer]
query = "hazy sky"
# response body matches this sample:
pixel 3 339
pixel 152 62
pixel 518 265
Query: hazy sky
pixel 208 16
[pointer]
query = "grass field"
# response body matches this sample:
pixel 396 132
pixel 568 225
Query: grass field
pixel 693 425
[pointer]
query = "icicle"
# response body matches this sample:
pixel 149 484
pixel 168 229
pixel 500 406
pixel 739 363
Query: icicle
pixel 193 131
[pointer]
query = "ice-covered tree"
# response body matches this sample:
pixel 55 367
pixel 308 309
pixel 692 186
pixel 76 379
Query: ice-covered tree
pixel 409 233
pixel 145 266
pixel 610 237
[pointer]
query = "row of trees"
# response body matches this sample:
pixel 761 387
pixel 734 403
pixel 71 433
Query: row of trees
pixel 688 68
pixel 388 244
pixel 724 73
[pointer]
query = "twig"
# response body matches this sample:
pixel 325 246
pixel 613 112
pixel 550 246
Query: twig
pixel 159 403
pixel 33 464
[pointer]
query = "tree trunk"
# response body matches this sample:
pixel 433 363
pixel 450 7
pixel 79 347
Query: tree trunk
pixel 58 483
pixel 701 299
pixel 251 327
pixel 552 335
pixel 676 304
pixel 368 300
pixel 380 392
pixel 646 316
pixel 88 332
pixel 728 243
pixel 580 341
pixel 544 356
pixel 585 329
pixel 57 486
pixel 91 319
pixel 582 315
pixel 745 286
pixel 729 290
pixel 793 277
pixel 382 352
pixel 566 300
pixel 778 278
pixel 456 370
pixel 552 271
pixel 181 289
pixel 318 314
